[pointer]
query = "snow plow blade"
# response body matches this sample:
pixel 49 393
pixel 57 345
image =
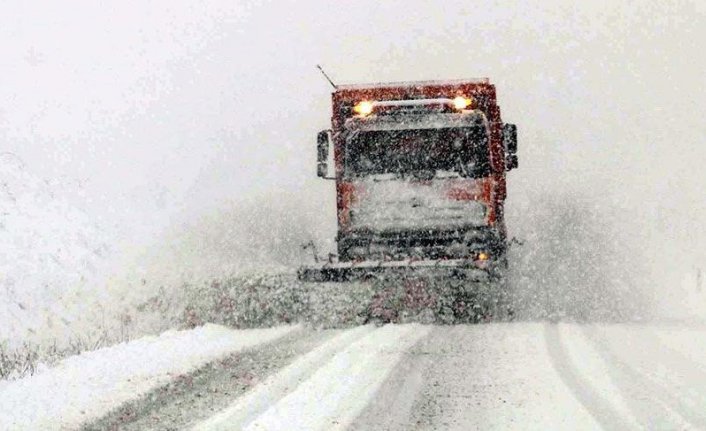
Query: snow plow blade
pixel 460 269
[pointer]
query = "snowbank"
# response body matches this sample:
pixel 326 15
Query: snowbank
pixel 87 386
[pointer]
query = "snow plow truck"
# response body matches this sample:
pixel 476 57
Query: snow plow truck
pixel 420 177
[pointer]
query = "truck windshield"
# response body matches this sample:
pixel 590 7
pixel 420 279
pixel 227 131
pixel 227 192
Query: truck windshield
pixel 421 153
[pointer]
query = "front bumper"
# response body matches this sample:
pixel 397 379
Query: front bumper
pixel 457 269
pixel 432 245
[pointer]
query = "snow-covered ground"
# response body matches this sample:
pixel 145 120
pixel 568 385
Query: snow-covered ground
pixel 87 386
pixel 51 259
pixel 521 375
pixel 68 279
pixel 329 386
pixel 497 376
pixel 145 118
pixel 166 130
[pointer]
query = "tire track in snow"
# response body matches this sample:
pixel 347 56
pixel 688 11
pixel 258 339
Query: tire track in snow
pixel 196 396
pixel 85 387
pixel 600 409
pixel 649 412
pixel 691 372
pixel 495 376
pixel 327 388
pixel 269 392
pixel 395 401
pixel 652 402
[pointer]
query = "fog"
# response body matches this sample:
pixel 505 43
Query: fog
pixel 187 128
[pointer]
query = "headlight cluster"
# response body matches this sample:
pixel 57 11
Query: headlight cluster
pixel 458 250
pixel 482 256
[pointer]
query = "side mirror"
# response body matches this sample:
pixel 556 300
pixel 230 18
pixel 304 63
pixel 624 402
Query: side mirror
pixel 322 144
pixel 510 144
pixel 511 162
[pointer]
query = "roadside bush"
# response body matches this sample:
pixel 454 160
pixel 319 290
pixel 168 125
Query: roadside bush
pixel 268 300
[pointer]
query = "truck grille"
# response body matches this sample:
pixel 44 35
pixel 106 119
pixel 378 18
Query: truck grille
pixel 427 244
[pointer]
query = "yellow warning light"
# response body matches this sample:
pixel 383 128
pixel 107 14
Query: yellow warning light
pixel 461 102
pixel 363 108
pixel 483 256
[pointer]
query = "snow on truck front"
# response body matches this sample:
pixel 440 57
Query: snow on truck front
pixel 416 176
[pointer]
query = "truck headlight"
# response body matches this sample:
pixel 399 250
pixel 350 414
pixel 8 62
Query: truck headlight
pixel 363 108
pixel 461 103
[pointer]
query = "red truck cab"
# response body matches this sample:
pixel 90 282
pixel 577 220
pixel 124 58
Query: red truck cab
pixel 420 170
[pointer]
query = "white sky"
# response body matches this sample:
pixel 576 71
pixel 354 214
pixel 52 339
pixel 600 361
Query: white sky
pixel 174 108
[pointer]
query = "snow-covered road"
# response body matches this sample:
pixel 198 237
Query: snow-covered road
pixel 496 376
pixel 523 375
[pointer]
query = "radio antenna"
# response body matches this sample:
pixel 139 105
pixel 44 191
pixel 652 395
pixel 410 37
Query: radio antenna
pixel 335 87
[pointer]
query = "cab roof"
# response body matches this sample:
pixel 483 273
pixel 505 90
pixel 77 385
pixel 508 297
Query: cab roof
pixel 431 83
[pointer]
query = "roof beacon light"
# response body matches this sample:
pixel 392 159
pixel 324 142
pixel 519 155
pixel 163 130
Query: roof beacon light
pixel 461 102
pixel 363 108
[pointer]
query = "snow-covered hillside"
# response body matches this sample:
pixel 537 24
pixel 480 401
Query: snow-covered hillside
pixel 51 258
